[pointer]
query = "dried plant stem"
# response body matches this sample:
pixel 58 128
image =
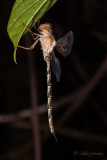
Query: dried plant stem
pixel 34 104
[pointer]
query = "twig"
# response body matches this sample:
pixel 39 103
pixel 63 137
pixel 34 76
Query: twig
pixel 74 133
pixel 79 67
pixel 9 118
pixel 82 135
pixel 101 36
pixel 84 93
pixel 34 103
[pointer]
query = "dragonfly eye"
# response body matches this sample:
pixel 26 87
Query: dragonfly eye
pixel 45 26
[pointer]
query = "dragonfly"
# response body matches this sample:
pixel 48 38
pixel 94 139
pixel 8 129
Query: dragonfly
pixel 49 44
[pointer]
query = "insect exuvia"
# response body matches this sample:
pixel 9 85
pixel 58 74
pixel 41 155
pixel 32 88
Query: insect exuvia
pixel 48 43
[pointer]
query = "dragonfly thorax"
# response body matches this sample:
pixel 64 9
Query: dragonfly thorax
pixel 48 43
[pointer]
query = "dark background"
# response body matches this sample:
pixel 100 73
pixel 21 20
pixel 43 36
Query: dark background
pixel 80 99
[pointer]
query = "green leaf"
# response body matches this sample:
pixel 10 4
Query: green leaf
pixel 26 12
pixel 52 3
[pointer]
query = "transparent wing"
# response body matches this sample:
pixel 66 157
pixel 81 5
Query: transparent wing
pixel 56 67
pixel 64 45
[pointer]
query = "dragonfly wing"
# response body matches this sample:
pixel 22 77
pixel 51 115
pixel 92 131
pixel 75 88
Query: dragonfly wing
pixel 56 67
pixel 64 45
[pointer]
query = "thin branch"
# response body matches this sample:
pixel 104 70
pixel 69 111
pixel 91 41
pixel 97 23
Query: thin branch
pixel 84 93
pixel 79 67
pixel 73 133
pixel 9 118
pixel 34 104
pixel 101 36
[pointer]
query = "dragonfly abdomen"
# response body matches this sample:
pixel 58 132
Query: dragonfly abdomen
pixel 49 96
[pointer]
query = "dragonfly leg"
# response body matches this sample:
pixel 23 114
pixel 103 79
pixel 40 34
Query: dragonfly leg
pixel 31 47
pixel 36 28
pixel 32 33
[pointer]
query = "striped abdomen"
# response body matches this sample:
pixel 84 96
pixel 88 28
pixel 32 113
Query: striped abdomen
pixel 49 95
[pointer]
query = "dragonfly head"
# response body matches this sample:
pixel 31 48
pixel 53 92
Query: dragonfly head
pixel 45 28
